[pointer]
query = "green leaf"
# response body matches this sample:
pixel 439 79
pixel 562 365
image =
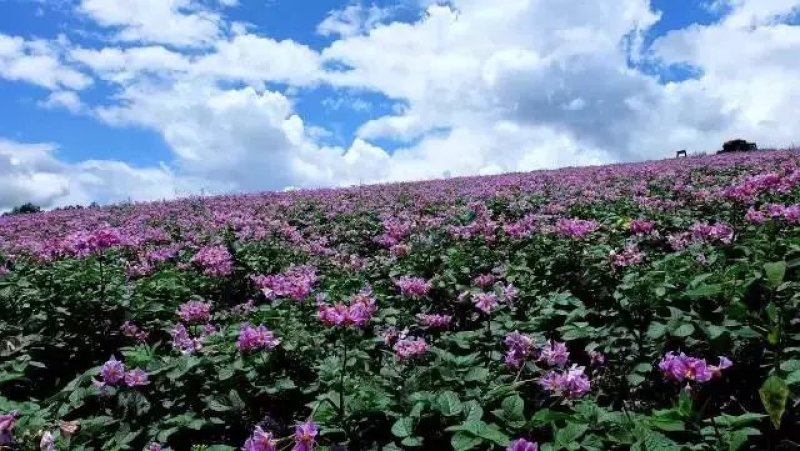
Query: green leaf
pixel 704 291
pixel 463 441
pixel 775 272
pixel 570 433
pixel 656 330
pixel 513 408
pixel 448 403
pixel 403 427
pixel 774 394
pixel 473 410
pixel 684 330
pixel 476 374
pixel 411 441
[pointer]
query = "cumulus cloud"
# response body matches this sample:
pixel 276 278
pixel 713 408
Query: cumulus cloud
pixel 485 87
pixel 353 19
pixel 176 22
pixel 38 62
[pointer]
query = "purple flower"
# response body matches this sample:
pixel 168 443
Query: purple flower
pixel 410 347
pixel 112 371
pixel 7 422
pixel 485 302
pixel 642 226
pixel 575 228
pixel 305 436
pixel 555 354
pixel 435 321
pixel 154 446
pixel 256 338
pixel 680 367
pixel 484 280
pixel 629 256
pixel 522 445
pixel 48 442
pixel 296 283
pixel 131 330
pixel 260 441
pixel 182 341
pixel 214 260
pixel 413 287
pixel 358 313
pixel 136 378
pixel 597 358
pixel 755 216
pixel 520 348
pixel 510 292
pixel 195 312
pixel 571 383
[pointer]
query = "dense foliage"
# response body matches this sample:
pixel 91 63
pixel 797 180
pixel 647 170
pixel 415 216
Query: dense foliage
pixel 647 306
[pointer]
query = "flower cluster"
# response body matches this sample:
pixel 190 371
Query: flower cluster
pixel 255 338
pixel 435 321
pixel 7 422
pixel 83 244
pixel 131 330
pixel 305 436
pixel 194 312
pixel 520 348
pixel 570 383
pixel 629 256
pixel 113 372
pixel 183 341
pixel 357 313
pixel 296 283
pixel 485 302
pixel 712 232
pixel 395 231
pixel 215 261
pixel 642 227
pixel 408 348
pixel 260 440
pixel 790 213
pixel 555 353
pixel 413 287
pixel 680 367
pixel 523 445
pixel 575 228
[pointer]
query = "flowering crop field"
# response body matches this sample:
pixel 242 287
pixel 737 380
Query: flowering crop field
pixel 649 306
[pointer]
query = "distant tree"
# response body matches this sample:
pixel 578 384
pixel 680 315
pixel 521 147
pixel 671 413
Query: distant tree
pixel 738 145
pixel 25 209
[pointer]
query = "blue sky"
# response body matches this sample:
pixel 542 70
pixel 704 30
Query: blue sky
pixel 267 94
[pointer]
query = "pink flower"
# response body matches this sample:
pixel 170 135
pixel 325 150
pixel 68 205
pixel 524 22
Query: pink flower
pixel 305 436
pixel 522 445
pixel 642 226
pixel 260 441
pixel 571 383
pixel 484 280
pixel 358 313
pixel 131 330
pixel 555 354
pixel 112 371
pixel 256 338
pixel 48 442
pixel 485 302
pixel 195 311
pixel 413 287
pixel 435 321
pixel 136 378
pixel 410 347
pixel 680 367
pixel 214 260
pixel 520 348
pixel 7 422
pixel 575 228
pixel 296 283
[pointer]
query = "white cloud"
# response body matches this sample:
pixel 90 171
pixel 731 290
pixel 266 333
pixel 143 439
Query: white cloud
pixel 484 86
pixel 33 173
pixel 353 19
pixel 37 62
pixel 175 22
pixel 68 100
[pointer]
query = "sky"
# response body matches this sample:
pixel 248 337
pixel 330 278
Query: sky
pixel 133 100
